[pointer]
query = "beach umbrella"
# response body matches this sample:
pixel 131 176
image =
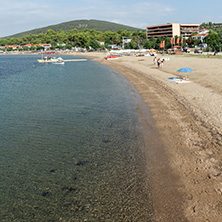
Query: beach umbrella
pixel 186 70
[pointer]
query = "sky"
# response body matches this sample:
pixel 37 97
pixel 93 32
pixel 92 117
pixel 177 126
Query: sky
pixel 24 15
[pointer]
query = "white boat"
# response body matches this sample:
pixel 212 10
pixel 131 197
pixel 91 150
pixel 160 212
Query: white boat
pixel 59 63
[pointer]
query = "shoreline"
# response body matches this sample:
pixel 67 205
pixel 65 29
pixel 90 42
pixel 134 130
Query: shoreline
pixel 189 131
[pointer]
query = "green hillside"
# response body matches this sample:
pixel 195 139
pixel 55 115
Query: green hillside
pixel 79 25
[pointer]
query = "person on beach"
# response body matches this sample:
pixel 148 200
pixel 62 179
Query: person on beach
pixel 162 62
pixel 154 60
pixel 158 63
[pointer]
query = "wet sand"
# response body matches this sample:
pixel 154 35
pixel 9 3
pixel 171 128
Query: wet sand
pixel 186 172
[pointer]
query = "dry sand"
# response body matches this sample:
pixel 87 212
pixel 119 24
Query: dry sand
pixel 186 179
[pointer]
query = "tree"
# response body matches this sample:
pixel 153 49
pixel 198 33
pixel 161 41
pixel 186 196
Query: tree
pixel 94 44
pixel 196 41
pixel 125 33
pixel 54 44
pixel 212 38
pixel 108 36
pixel 116 39
pixel 184 43
pixel 148 44
pixel 167 43
pixel 50 32
pixel 40 48
pixel 132 44
pixel 69 47
pixel 203 25
pixel 9 49
pixel 189 41
pixel 87 45
pixel 142 35
pixel 82 39
pixel 153 42
pixel 26 48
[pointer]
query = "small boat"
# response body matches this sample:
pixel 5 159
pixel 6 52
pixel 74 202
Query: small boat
pixel 183 81
pixel 174 79
pixel 111 57
pixel 59 61
pixel 140 54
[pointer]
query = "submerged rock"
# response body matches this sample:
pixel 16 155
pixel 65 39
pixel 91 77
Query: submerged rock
pixel 106 141
pixel 79 162
pixel 68 189
pixel 45 193
pixel 52 171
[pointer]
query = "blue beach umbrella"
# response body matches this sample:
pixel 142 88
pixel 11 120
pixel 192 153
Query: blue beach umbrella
pixel 186 70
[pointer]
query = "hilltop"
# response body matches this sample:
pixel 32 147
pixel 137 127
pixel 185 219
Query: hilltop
pixel 98 25
pixel 211 25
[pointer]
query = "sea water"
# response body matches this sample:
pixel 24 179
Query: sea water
pixel 71 148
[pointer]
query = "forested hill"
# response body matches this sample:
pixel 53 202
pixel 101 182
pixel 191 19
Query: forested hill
pixel 211 25
pixel 98 25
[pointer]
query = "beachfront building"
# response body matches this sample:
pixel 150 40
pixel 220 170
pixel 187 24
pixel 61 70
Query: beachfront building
pixel 114 47
pixel 12 47
pixel 187 29
pixel 44 45
pixel 27 45
pixel 101 42
pixel 126 41
pixel 201 35
pixel 61 44
pixel 171 30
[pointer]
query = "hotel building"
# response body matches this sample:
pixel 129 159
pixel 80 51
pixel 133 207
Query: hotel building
pixel 171 30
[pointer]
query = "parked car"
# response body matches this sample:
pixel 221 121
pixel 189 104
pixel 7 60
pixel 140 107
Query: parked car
pixel 198 51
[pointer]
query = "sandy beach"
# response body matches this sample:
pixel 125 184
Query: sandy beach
pixel 186 179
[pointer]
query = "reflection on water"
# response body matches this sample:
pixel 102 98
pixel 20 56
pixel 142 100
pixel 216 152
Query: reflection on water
pixel 71 148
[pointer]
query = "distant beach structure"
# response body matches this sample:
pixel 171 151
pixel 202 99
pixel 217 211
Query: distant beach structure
pixel 171 30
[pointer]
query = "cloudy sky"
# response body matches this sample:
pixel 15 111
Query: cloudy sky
pixel 23 15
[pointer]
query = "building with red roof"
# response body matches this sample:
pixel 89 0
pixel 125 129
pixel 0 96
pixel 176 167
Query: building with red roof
pixel 101 42
pixel 201 35
pixel 44 45
pixel 12 46
pixel 27 45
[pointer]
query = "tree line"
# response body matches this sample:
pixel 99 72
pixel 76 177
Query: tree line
pixel 89 39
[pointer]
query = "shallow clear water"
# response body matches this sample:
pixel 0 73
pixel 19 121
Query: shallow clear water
pixel 71 147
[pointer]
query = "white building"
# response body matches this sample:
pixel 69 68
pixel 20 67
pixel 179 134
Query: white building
pixel 126 41
pixel 201 35
pixel 101 42
pixel 114 47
